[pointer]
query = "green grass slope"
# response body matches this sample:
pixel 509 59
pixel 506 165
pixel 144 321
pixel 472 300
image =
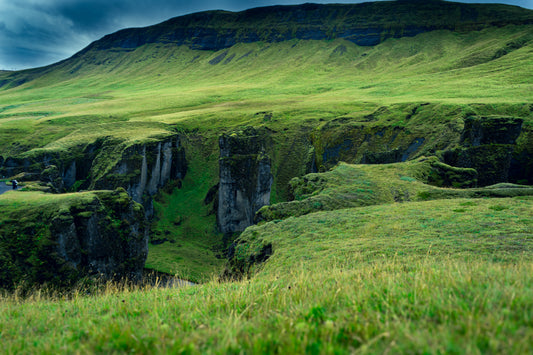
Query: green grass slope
pixel 448 276
pixel 303 91
pixel 348 185
pixel 158 85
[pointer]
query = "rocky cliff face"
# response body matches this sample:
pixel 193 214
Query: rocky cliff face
pixel 144 168
pixel 365 24
pixel 97 233
pixel 71 167
pixel 498 148
pixel 487 145
pixel 245 179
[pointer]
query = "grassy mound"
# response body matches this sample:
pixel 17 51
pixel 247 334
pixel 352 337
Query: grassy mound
pixel 349 185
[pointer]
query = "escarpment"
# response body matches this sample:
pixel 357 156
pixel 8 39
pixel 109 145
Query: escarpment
pixel 141 168
pixel 498 148
pixel 366 24
pixel 58 239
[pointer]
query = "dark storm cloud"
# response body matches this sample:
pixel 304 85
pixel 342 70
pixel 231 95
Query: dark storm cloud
pixel 40 32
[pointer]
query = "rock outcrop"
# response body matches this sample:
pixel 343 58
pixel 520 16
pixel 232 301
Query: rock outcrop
pixel 245 179
pixel 142 169
pixel 100 233
pixel 73 166
pixel 487 145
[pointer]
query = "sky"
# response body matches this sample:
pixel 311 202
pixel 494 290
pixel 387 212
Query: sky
pixel 35 33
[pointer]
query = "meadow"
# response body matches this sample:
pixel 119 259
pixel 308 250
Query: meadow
pixel 448 276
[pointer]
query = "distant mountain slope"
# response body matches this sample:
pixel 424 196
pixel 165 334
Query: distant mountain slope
pixel 365 24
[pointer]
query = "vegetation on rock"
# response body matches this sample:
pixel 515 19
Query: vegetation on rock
pixel 59 238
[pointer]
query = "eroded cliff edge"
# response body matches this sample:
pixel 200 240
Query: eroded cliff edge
pixel 60 238
pixel 243 169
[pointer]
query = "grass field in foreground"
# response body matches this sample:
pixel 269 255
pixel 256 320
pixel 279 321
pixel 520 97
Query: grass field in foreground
pixel 451 276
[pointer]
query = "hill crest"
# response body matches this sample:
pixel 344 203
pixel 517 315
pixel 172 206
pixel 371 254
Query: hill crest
pixel 365 24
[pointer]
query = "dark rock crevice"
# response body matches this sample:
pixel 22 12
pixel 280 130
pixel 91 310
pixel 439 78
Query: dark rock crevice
pixel 487 145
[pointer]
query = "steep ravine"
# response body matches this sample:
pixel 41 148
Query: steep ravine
pixel 253 161
pixel 254 167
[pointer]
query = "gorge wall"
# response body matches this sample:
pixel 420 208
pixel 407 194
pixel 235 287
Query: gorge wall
pixel 109 233
pixel 106 164
pixel 143 169
pixel 62 238
pixel 245 179
pixel 488 145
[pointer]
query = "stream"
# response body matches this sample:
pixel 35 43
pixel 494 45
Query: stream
pixel 5 187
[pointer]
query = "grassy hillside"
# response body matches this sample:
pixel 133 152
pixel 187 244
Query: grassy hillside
pixel 449 276
pixel 156 85
pixel 292 88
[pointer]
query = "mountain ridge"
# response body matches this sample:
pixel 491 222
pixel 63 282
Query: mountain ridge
pixel 364 24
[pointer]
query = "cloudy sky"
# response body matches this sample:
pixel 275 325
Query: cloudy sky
pixel 40 32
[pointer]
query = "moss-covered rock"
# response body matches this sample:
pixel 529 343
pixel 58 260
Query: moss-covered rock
pixel 245 178
pixel 444 175
pixel 487 145
pixel 348 186
pixel 52 177
pixel 58 239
